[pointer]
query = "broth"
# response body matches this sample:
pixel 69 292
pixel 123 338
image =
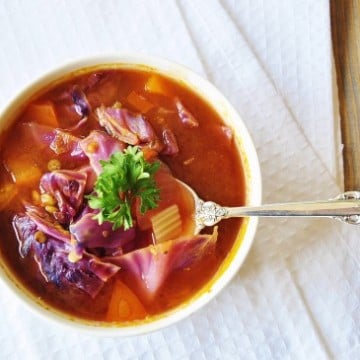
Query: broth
pixel 207 160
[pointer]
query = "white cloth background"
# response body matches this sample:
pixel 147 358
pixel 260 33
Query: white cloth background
pixel 297 295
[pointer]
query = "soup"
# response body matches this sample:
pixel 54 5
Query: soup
pixel 94 222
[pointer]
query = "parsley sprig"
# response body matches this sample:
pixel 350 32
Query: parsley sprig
pixel 125 177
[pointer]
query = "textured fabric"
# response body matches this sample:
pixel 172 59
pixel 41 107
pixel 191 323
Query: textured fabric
pixel 297 294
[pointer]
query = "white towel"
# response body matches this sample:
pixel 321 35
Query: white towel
pixel 297 294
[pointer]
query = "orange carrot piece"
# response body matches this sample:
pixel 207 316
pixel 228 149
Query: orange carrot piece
pixel 156 85
pixel 23 170
pixel 42 113
pixel 139 102
pixel 124 305
pixel 149 154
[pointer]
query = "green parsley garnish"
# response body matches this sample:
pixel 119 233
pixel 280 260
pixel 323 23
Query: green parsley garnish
pixel 125 177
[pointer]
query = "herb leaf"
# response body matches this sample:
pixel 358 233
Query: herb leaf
pixel 125 177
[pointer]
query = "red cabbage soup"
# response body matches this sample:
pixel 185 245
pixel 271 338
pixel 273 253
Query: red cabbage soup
pixel 94 223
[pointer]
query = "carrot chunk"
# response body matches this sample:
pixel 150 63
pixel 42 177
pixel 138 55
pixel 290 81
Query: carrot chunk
pixel 155 85
pixel 124 305
pixel 139 102
pixel 23 170
pixel 42 113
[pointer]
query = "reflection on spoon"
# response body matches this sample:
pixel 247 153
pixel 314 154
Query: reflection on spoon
pixel 345 207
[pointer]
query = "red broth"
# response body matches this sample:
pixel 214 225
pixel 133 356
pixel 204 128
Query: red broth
pixel 207 160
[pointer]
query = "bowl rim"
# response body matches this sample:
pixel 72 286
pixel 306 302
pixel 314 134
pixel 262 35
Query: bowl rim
pixel 195 82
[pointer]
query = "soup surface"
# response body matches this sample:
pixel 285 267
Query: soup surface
pixel 133 255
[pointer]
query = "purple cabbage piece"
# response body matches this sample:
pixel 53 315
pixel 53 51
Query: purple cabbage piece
pixel 40 134
pixel 137 125
pixel 128 127
pixel 90 234
pixel 91 177
pixel 150 266
pixel 64 143
pixel 88 274
pixel 25 228
pixel 82 106
pixel 46 223
pixel 100 146
pixel 113 122
pixel 186 117
pixel 67 187
pixel 171 145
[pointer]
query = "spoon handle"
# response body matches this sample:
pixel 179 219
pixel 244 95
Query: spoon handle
pixel 346 207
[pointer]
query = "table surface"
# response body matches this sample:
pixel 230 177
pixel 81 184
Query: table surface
pixel 345 22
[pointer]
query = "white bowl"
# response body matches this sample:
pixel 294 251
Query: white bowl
pixel 245 237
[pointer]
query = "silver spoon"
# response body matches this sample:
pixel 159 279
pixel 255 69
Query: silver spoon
pixel 345 207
